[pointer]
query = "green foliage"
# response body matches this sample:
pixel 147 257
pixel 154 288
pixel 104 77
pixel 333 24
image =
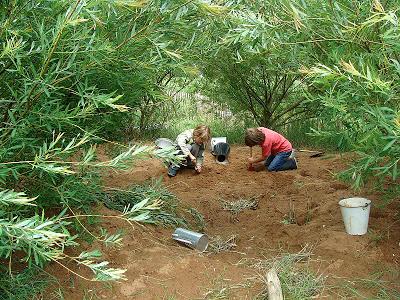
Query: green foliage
pixel 25 285
pixel 189 116
pixel 70 72
pixel 357 84
pixel 77 73
pixel 255 67
pixel 152 203
pixel 378 149
pixel 297 279
pixel 336 63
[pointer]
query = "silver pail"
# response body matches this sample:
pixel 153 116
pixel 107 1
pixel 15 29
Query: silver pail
pixel 194 240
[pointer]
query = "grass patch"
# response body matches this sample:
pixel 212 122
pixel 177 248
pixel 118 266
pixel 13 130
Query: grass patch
pixel 29 284
pixel 198 219
pixel 224 289
pixel 219 244
pixel 371 288
pixel 237 206
pixel 298 282
pixel 168 212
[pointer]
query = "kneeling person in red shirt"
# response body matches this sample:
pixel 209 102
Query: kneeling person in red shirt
pixel 277 151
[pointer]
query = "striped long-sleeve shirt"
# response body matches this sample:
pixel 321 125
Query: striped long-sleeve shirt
pixel 184 140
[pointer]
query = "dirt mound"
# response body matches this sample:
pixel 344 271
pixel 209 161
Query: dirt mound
pixel 295 208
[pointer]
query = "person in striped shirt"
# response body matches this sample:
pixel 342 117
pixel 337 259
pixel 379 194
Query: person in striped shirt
pixel 191 143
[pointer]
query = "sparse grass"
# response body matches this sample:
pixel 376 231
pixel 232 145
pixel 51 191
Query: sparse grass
pixel 235 207
pixel 28 285
pixel 217 293
pixel 199 222
pixel 297 280
pixel 375 236
pixel 219 244
pixel 309 213
pixel 223 289
pixel 373 288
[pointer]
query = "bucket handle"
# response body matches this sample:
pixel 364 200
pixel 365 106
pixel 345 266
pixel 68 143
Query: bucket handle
pixel 363 206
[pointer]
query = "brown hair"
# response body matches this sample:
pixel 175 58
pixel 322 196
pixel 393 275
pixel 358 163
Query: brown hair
pixel 253 136
pixel 203 132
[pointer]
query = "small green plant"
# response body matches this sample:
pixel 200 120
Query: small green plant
pixel 290 217
pixel 199 221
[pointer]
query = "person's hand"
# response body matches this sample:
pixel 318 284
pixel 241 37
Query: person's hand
pixel 251 160
pixel 192 158
pixel 198 169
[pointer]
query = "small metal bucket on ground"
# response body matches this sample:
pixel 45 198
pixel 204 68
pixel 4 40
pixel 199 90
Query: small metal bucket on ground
pixel 217 140
pixel 164 143
pixel 194 240
pixel 221 153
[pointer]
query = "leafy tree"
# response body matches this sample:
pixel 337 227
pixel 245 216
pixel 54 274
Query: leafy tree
pixel 62 66
pixel 342 58
pixel 358 84
pixel 255 67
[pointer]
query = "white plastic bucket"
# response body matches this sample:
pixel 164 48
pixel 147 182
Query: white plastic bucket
pixel 355 213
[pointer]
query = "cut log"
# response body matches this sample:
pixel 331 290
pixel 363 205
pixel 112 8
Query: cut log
pixel 310 151
pixel 315 153
pixel 274 286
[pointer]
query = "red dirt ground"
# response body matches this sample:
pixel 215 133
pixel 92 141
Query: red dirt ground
pixel 158 268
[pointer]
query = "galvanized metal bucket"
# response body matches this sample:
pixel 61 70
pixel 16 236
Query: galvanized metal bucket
pixel 216 140
pixel 194 240
pixel 164 143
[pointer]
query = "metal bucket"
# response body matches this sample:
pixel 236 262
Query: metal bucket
pixel 194 240
pixel 217 140
pixel 221 153
pixel 164 143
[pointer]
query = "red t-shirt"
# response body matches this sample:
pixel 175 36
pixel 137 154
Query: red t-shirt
pixel 274 143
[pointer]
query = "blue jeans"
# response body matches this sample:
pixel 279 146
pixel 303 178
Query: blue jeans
pixel 280 162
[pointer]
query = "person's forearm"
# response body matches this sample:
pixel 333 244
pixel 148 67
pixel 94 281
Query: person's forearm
pixel 259 159
pixel 200 157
